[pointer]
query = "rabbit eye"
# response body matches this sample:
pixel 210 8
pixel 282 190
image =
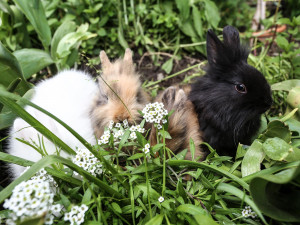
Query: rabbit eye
pixel 241 88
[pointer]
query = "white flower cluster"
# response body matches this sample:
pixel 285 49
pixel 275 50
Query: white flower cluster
pixel 42 175
pixel 30 199
pixel 155 113
pixel 247 212
pixel 85 159
pixel 118 131
pixel 76 215
pixel 146 148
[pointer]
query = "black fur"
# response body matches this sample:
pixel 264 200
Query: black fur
pixel 226 116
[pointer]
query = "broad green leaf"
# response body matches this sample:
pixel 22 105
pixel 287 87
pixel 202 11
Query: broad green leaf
pixel 197 21
pixel 276 148
pixel 286 85
pixel 34 11
pixel 156 220
pixel 212 13
pixel 11 70
pixel 293 98
pixel 168 66
pixel 184 9
pixel 277 196
pixel 33 221
pixel 71 40
pixel 188 29
pixel 191 209
pixel 277 128
pixel 253 158
pixel 65 28
pixel 282 43
pixel 32 60
pixel 204 219
pixel 116 207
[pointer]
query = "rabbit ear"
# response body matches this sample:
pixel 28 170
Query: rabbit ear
pixel 128 56
pixel 214 47
pixel 104 60
pixel 231 37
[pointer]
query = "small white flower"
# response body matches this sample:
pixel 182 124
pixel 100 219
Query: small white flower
pixel 118 125
pixel 247 212
pixel 146 150
pixel 133 135
pixel 147 145
pixel 159 126
pixel 164 121
pixel 161 199
pixel 76 215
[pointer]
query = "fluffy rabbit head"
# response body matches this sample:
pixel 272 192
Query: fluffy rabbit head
pixel 183 123
pixel 120 94
pixel 231 97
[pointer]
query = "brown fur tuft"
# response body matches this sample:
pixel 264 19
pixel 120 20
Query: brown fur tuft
pixel 183 123
pixel 123 79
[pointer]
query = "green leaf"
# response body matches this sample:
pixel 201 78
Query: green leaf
pixel 286 85
pixel 253 158
pixel 241 195
pixel 116 207
pixel 37 61
pixel 277 195
pixel 212 13
pixel 71 40
pixel 276 148
pixel 168 66
pixel 184 9
pixel 277 128
pixel 202 165
pixel 156 220
pixel 197 21
pixel 33 221
pixel 65 28
pixel 48 160
pixel 136 156
pixel 191 209
pixel 192 149
pixel 11 70
pixel 34 11
pixel 282 43
pixel 293 98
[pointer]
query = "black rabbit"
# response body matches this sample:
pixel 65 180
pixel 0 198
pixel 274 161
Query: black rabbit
pixel 230 98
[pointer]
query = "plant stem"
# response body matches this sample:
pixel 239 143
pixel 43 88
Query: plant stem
pixel 148 186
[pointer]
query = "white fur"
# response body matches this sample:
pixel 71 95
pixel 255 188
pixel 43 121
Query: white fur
pixel 68 96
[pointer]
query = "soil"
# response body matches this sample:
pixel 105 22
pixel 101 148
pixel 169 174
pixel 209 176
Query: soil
pixel 152 71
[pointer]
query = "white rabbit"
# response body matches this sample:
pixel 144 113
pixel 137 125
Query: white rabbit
pixel 68 96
